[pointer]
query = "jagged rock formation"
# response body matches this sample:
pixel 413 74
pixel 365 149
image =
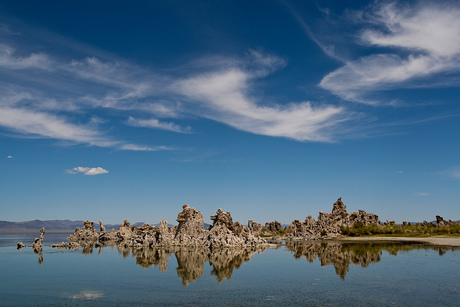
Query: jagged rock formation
pixel 38 242
pixel 104 235
pixel 124 231
pixel 254 227
pixel 328 224
pixel 440 222
pixel 87 233
pixel 273 227
pixel 225 233
pixel 21 245
pixel 167 233
pixel 189 232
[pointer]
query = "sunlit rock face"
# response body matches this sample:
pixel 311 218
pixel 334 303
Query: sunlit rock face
pixel 87 232
pixel 38 242
pixel 328 224
pixel 273 227
pixel 104 235
pixel 254 227
pixel 225 233
pixel 189 232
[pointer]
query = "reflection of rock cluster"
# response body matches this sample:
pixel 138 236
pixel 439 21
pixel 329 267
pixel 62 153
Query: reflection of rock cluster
pixel 328 224
pixel 191 260
pixel 336 254
pixel 189 232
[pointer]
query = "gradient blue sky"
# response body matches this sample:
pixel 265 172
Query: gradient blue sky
pixel 271 110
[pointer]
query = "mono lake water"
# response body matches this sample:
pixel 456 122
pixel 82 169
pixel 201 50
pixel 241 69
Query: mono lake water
pixel 306 274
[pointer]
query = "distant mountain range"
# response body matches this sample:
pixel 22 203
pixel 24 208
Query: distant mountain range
pixel 56 226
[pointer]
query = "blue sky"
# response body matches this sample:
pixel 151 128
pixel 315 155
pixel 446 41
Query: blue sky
pixel 271 110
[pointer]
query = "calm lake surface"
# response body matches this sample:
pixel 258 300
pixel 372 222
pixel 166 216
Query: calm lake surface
pixel 305 274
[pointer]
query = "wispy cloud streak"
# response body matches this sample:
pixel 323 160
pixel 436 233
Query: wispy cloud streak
pixel 426 43
pixel 49 97
pixel 224 95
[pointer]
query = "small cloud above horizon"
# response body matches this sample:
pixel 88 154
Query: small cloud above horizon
pixel 9 157
pixel 90 171
pixel 421 194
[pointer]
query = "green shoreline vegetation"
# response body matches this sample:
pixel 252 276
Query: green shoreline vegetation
pixel 404 230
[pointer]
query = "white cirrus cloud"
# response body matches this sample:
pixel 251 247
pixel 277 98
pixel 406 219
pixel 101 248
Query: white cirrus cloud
pixel 8 60
pixel 9 157
pixel 222 96
pixel 157 124
pixel 135 147
pixel 57 103
pixel 90 171
pixel 426 43
pixel 31 122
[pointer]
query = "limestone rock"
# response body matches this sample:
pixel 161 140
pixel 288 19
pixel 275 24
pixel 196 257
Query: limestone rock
pixel 273 227
pixel 104 235
pixel 440 222
pixel 254 227
pixel 328 224
pixel 190 231
pixel 225 233
pixel 124 231
pixel 21 245
pixel 38 242
pixel 167 234
pixel 87 232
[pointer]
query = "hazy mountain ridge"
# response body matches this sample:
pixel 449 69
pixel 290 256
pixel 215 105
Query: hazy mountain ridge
pixel 53 226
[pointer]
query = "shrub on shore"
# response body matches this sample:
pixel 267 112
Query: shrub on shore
pixel 391 229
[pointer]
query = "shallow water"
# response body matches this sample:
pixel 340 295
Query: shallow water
pixel 308 274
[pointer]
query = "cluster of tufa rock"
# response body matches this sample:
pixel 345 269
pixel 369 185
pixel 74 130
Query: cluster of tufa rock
pixel 37 246
pixel 273 227
pixel 189 232
pixel 328 224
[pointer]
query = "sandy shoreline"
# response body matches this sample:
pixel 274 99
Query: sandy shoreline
pixel 440 241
